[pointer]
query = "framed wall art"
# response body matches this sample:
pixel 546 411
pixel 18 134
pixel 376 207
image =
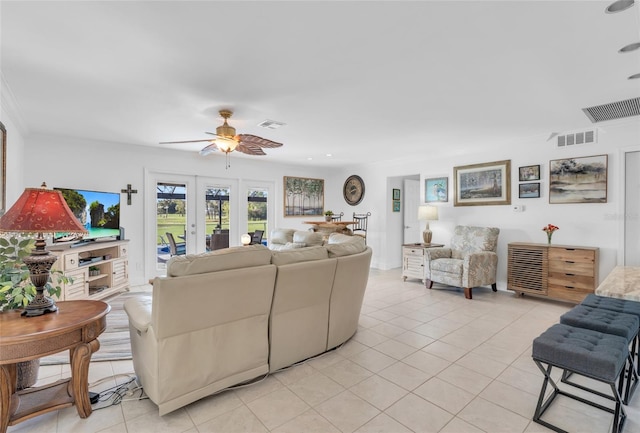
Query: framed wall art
pixel 303 196
pixel 396 205
pixel 436 189
pixel 482 184
pixel 3 168
pixel 396 194
pixel 528 173
pixel 529 190
pixel 578 180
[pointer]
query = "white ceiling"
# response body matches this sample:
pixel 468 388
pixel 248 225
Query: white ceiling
pixel 364 81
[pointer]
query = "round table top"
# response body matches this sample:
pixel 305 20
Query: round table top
pixel 70 315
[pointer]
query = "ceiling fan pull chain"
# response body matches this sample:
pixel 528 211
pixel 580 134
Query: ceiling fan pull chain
pixel 227 160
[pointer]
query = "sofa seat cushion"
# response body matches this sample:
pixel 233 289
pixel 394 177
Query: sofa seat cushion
pixel 339 245
pixel 219 260
pixel 297 255
pixel 449 266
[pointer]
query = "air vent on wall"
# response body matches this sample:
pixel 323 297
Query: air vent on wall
pixel 271 124
pixel 581 137
pixel 613 110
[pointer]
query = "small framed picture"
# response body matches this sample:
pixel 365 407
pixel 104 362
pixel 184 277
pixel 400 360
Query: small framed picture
pixel 529 190
pixel 396 194
pixel 436 189
pixel 529 172
pixel 396 205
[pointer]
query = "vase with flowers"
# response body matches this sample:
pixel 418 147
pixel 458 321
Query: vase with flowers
pixel 549 229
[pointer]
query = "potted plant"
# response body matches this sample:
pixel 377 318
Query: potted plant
pixel 17 290
pixel 327 215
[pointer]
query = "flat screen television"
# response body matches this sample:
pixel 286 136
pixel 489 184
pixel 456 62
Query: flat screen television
pixel 97 211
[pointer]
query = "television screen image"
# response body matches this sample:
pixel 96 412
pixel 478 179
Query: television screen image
pixel 98 212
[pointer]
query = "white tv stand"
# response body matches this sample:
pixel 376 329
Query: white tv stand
pixel 98 269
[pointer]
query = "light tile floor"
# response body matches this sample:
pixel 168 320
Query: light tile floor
pixel 422 361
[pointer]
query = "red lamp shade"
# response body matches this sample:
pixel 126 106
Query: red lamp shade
pixel 40 210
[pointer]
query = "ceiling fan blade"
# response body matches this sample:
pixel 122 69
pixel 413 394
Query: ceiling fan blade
pixel 211 133
pixel 208 149
pixel 258 141
pixel 250 149
pixel 188 141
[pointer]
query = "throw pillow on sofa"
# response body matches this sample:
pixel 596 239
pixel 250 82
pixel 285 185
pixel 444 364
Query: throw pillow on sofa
pixel 307 254
pixel 219 260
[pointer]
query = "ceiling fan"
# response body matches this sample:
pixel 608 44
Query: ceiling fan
pixel 228 141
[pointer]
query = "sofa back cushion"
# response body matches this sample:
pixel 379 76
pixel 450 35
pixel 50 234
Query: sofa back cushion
pixel 307 237
pixel 297 255
pixel 219 260
pixel 469 239
pixel 281 236
pixel 339 245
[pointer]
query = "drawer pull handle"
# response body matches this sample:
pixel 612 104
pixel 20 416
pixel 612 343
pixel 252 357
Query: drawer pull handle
pixel 569 275
pixel 570 249
pixel 570 287
pixel 73 262
pixel 569 261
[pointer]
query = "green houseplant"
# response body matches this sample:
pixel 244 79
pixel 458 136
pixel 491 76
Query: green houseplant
pixel 327 215
pixel 17 290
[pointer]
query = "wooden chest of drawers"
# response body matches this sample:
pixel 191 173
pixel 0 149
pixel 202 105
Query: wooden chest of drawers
pixel 560 272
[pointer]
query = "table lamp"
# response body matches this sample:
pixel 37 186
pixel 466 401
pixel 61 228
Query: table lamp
pixel 40 210
pixel 245 239
pixel 427 213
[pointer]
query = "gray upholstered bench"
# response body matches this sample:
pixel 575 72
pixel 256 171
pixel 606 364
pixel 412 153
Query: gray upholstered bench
pixel 609 322
pixel 593 354
pixel 619 305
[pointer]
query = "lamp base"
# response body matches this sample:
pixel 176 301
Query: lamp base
pixel 40 305
pixel 426 236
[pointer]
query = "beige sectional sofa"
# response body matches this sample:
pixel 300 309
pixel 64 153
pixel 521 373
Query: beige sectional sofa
pixel 222 318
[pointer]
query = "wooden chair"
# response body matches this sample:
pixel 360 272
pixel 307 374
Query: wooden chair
pixel 337 216
pixel 256 237
pixel 359 228
pixel 176 249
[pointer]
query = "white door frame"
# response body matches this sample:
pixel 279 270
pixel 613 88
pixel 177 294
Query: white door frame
pixel 243 203
pixel 622 208
pixel 202 184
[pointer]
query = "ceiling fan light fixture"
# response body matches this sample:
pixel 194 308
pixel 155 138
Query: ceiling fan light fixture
pixel 226 144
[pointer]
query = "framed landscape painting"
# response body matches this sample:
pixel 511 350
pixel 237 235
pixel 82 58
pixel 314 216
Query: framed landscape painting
pixel 529 190
pixel 303 196
pixel 436 189
pixel 578 180
pixel 482 184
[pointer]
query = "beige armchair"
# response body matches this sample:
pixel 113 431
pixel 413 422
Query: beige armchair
pixel 471 261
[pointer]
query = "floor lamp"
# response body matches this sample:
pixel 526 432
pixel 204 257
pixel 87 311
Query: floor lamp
pixel 39 211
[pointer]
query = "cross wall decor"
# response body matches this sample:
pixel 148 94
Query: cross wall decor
pixel 129 191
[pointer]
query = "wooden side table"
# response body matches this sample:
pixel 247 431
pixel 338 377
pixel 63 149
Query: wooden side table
pixel 75 326
pixel 413 261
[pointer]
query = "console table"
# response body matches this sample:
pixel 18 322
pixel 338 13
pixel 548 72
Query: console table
pixel 75 326
pixel 623 282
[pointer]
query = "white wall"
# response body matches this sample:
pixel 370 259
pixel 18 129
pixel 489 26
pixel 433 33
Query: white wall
pixel 110 167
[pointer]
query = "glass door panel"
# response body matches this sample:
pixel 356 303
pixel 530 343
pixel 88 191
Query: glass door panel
pixel 171 221
pixel 217 217
pixel 257 206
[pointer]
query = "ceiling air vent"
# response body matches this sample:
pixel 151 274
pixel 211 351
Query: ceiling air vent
pixel 271 124
pixel 613 110
pixel 582 137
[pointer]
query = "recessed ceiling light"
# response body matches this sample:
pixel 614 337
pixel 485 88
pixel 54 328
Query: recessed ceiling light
pixel 309 159
pixel 628 48
pixel 329 155
pixel 619 6
pixel 634 76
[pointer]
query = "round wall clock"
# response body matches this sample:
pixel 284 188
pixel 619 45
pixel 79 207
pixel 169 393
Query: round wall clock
pixel 353 190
